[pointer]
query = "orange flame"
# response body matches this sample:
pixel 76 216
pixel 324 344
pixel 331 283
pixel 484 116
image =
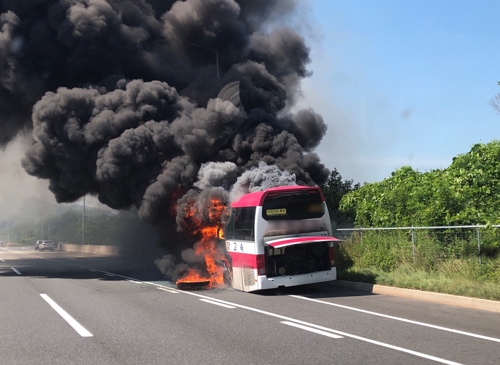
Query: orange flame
pixel 207 246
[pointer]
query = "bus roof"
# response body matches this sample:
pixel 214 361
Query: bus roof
pixel 257 199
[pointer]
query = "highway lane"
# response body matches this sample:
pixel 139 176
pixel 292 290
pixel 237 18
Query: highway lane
pixel 137 323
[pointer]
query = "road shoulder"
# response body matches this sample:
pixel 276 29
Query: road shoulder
pixel 455 300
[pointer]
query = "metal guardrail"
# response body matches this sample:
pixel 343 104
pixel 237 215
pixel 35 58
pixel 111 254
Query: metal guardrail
pixel 413 229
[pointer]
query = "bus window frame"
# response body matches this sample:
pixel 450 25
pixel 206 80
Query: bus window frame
pixel 242 232
pixel 284 217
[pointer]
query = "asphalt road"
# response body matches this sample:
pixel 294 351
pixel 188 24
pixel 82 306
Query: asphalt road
pixel 64 308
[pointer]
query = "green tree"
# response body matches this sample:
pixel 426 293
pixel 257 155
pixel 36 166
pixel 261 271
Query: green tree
pixel 475 178
pixel 467 192
pixel 334 189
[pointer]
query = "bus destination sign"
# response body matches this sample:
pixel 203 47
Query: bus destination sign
pixel 273 212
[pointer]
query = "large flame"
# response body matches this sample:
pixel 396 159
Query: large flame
pixel 207 247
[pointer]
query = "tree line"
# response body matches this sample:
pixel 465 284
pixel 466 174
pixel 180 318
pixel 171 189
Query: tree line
pixel 465 193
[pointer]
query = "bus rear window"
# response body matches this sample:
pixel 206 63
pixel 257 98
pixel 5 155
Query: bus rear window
pixel 293 206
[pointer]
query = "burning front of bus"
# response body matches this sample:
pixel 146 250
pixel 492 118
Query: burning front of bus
pixel 201 214
pixel 272 238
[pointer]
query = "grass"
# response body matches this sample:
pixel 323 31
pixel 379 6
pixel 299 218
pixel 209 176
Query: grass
pixel 443 266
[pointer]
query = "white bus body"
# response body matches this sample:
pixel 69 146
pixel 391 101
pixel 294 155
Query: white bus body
pixel 280 237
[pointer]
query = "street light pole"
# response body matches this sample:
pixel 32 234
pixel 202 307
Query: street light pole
pixel 217 61
pixel 214 50
pixel 83 221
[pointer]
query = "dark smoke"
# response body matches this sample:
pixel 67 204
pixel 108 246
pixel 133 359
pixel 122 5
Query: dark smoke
pixel 260 178
pixel 121 97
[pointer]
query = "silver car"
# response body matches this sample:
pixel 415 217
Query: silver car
pixel 46 245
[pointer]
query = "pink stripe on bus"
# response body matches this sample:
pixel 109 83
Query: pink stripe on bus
pixel 283 242
pixel 243 260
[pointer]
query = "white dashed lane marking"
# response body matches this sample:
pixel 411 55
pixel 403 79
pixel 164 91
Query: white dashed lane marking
pixel 217 303
pixel 71 321
pixel 310 329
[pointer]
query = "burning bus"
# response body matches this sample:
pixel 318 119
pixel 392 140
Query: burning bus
pixel 280 237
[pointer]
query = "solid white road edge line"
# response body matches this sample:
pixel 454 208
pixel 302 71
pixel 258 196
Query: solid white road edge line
pixel 17 272
pixel 168 290
pixel 314 330
pixel 217 303
pixel 2 260
pixel 400 319
pixel 71 321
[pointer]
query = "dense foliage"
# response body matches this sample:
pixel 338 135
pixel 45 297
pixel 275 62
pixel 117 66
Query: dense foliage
pixel 334 190
pixel 467 192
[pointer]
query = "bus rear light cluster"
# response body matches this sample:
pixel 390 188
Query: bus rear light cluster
pixel 261 265
pixel 332 256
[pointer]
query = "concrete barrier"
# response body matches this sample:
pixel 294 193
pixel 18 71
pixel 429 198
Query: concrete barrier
pixel 101 250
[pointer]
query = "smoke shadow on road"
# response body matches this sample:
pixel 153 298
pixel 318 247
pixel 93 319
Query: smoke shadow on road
pixel 321 290
pixel 64 265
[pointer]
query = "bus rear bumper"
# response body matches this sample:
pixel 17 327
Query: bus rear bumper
pixel 294 280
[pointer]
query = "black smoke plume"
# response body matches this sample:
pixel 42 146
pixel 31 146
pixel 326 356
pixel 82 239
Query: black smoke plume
pixel 121 96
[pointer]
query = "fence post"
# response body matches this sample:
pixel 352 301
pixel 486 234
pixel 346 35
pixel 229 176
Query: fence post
pixel 479 245
pixel 413 242
pixel 361 235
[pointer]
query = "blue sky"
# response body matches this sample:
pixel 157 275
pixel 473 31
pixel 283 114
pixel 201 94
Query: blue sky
pixel 402 82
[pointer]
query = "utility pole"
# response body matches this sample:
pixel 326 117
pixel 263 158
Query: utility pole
pixel 214 50
pixel 217 62
pixel 83 221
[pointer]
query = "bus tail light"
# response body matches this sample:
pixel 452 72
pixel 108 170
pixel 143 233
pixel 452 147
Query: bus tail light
pixel 261 265
pixel 332 256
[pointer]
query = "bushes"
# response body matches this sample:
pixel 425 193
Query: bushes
pixel 445 261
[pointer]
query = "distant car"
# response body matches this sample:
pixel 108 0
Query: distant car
pixel 37 244
pixel 3 244
pixel 46 245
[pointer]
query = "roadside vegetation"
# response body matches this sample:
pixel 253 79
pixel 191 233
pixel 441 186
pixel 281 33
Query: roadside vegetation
pixel 444 262
pixel 447 261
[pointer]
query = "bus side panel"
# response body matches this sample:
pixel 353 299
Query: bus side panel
pixel 237 282
pixel 327 221
pixel 244 271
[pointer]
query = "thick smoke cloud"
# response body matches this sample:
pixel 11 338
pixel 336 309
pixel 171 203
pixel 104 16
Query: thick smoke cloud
pixel 217 174
pixel 260 178
pixel 121 97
